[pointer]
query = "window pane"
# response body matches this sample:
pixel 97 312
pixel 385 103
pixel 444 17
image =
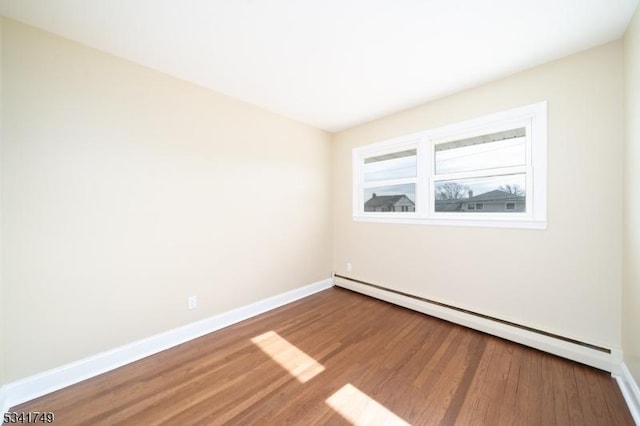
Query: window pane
pixel 495 150
pixel 493 194
pixel 396 165
pixel 393 198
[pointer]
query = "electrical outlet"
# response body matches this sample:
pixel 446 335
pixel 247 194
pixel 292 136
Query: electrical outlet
pixel 192 302
pixel 349 267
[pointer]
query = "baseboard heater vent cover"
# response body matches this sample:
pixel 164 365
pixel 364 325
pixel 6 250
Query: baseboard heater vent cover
pixel 566 347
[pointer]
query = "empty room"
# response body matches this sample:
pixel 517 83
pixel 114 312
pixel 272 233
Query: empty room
pixel 320 212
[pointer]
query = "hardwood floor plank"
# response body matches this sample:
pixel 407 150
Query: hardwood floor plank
pixel 575 406
pixel 526 394
pixel 474 409
pixel 472 360
pixel 588 390
pixel 399 363
pixel 512 387
pixel 547 406
pixel 495 386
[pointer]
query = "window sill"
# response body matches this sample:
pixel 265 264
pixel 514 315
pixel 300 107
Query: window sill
pixel 527 223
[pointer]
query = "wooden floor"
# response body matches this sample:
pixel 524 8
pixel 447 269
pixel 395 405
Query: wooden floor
pixel 373 362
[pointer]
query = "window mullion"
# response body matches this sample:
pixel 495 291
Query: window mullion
pixel 423 195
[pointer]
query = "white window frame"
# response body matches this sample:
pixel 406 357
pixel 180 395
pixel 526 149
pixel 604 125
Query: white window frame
pixel 532 117
pixel 390 146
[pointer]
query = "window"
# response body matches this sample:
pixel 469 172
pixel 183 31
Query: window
pixel 490 171
pixel 389 180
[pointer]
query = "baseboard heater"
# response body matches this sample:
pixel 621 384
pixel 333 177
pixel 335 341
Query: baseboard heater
pixel 566 347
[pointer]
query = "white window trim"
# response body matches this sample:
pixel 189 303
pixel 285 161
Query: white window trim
pixel 533 117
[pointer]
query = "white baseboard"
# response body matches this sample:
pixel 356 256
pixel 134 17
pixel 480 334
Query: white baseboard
pixel 46 382
pixel 585 355
pixel 630 391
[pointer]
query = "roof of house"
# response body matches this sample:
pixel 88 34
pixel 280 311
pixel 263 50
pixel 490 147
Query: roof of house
pixel 495 195
pixel 385 200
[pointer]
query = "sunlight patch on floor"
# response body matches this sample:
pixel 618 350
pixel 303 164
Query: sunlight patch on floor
pixel 360 409
pixel 296 362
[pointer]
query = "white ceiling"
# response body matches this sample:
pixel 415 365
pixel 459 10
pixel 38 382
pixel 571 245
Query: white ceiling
pixel 333 63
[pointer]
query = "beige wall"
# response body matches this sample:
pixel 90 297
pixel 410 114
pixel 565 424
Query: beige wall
pixel 631 231
pixel 1 286
pixel 125 191
pixel 565 279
